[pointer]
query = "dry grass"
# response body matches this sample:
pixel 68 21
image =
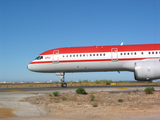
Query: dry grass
pixel 74 84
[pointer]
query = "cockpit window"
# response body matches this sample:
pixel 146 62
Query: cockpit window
pixel 39 58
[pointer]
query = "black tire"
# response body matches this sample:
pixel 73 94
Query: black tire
pixel 64 85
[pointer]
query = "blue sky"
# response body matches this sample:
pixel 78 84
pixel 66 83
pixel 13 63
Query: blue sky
pixel 30 27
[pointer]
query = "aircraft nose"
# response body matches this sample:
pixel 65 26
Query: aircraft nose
pixel 29 67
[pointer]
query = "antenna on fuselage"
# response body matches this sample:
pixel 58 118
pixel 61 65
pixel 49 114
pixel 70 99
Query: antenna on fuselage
pixel 122 43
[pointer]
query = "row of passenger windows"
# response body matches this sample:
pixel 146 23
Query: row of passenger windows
pixel 134 53
pixel 83 55
pixel 100 54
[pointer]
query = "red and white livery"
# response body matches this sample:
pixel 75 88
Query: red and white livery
pixel 143 60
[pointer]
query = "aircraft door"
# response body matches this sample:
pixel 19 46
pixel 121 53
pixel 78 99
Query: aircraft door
pixel 56 56
pixel 114 54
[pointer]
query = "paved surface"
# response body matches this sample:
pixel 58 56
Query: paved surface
pixel 10 98
pixel 73 88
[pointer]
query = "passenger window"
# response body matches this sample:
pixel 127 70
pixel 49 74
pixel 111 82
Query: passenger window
pixel 73 55
pixel 97 54
pixel 63 55
pixel 90 54
pixel 152 52
pixel 156 52
pixel 70 55
pixel 77 55
pixel 104 54
pixel 80 55
pixel 142 53
pixel 124 53
pixel 83 55
pixel 121 53
pixel 100 54
pixel 93 54
pixel 131 53
pixel 135 53
pixel 149 52
pixel 66 55
pixel 128 53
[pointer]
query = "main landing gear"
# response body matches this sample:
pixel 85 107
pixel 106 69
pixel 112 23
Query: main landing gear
pixel 63 84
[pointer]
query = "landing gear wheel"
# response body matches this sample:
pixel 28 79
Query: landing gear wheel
pixel 64 85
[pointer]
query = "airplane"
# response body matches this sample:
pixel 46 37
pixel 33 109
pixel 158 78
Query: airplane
pixel 142 59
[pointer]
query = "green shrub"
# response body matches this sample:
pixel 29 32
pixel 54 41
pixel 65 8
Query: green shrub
pixel 120 100
pixel 152 88
pixel 149 90
pixel 95 105
pixel 92 97
pixel 80 91
pixel 55 93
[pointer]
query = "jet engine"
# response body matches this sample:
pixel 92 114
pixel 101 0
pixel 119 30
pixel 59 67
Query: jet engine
pixel 147 70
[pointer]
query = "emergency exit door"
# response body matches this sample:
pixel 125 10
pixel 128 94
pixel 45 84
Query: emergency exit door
pixel 56 56
pixel 114 54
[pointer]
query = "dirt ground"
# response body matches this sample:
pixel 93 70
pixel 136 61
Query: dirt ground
pixel 6 112
pixel 103 105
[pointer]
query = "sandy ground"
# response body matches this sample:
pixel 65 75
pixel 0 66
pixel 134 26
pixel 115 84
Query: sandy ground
pixel 134 105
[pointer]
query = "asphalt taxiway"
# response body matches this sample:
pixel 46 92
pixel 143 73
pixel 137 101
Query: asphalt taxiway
pixel 73 88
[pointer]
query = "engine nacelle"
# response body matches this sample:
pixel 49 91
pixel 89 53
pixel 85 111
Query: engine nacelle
pixel 147 70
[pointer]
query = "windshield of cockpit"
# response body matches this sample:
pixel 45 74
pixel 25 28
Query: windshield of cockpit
pixel 39 58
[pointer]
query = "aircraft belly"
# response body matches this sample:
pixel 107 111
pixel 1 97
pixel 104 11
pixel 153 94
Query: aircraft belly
pixel 81 67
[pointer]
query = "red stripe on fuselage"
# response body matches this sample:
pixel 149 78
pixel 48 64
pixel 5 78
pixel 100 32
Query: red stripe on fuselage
pixel 96 60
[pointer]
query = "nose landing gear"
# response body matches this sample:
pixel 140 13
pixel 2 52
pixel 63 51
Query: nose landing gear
pixel 63 84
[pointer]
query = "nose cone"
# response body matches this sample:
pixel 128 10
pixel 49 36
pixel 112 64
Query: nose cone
pixel 29 67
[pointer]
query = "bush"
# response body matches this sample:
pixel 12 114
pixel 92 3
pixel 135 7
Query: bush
pixel 95 105
pixel 92 97
pixel 152 88
pixel 149 90
pixel 80 91
pixel 120 100
pixel 55 93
